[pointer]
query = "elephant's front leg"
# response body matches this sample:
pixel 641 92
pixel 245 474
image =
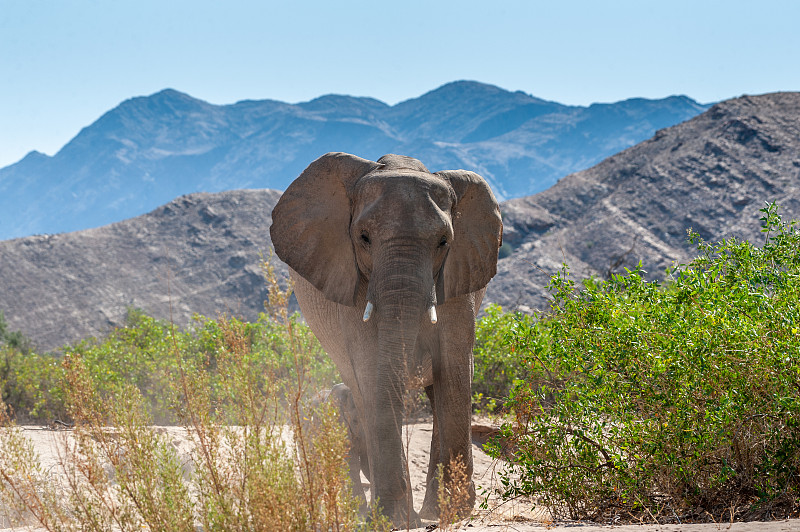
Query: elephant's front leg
pixel 390 486
pixel 430 505
pixel 451 400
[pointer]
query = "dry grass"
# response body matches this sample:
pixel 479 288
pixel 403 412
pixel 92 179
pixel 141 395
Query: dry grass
pixel 253 464
pixel 453 494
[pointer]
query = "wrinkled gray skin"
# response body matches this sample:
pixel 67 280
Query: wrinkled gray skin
pixel 404 239
pixel 357 456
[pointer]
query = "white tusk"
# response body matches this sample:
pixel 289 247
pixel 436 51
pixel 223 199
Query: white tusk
pixel 432 314
pixel 368 311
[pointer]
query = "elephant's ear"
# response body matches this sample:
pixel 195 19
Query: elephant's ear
pixel 311 225
pixel 477 234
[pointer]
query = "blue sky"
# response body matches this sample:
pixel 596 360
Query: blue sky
pixel 63 63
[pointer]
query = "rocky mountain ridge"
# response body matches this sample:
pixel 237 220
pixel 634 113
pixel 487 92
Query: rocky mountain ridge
pixel 711 174
pixel 200 253
pixel 149 150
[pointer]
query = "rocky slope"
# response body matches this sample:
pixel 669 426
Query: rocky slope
pixel 200 252
pixel 712 174
pixel 197 254
pixel 149 150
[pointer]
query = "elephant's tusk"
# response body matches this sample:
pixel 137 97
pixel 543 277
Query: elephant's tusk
pixel 368 311
pixel 432 314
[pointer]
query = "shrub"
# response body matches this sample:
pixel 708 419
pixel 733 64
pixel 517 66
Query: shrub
pixel 14 339
pixel 497 366
pixel 673 401
pixel 32 384
pixel 142 353
pixel 240 399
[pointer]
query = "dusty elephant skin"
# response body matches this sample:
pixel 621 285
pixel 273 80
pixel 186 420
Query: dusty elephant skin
pixel 390 264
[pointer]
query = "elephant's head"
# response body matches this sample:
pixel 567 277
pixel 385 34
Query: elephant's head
pixel 389 228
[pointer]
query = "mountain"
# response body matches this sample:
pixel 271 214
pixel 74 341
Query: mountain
pixel 149 150
pixel 197 254
pixel 200 253
pixel 712 174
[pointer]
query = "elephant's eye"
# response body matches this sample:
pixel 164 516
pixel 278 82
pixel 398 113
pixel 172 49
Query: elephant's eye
pixel 443 242
pixel 365 238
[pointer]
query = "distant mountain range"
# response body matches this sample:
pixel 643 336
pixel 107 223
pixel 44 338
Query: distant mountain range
pixel 200 253
pixel 149 150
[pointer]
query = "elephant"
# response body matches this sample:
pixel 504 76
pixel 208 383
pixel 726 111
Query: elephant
pixel 390 264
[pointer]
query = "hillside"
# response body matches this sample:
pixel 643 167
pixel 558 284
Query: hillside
pixel 712 174
pixel 149 150
pixel 197 254
pixel 200 252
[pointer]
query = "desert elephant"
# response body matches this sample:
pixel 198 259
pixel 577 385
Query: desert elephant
pixel 390 264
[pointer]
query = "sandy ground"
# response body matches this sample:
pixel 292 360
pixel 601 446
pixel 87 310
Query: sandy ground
pixel 516 517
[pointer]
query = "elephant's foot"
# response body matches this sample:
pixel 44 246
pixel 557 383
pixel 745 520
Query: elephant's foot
pixel 430 505
pixel 398 514
pixel 403 520
pixel 429 512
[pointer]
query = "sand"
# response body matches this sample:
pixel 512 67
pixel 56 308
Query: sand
pixel 511 517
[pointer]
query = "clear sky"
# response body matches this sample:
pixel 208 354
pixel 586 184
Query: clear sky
pixel 63 63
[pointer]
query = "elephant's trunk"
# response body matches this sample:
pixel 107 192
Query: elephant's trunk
pixel 402 292
pixel 397 333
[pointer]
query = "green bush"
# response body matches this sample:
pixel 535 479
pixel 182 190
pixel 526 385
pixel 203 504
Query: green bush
pixel 666 401
pixel 148 355
pixel 32 384
pixel 13 339
pixel 497 366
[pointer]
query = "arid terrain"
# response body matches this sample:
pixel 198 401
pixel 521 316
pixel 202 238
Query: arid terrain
pixel 200 253
pixel 516 516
